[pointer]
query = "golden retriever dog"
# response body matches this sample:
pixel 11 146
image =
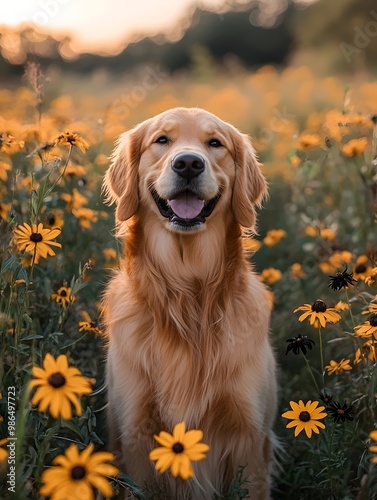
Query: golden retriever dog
pixel 187 318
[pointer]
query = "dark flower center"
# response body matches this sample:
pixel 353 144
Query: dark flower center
pixel 57 380
pixel 78 473
pixel 178 448
pixel 36 237
pixel 319 306
pixel 304 416
pixel 63 293
pixel 340 411
pixel 51 220
pixel 373 320
pixel 360 268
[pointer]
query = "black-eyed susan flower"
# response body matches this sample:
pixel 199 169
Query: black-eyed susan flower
pixel 178 450
pixel 338 367
pixel 372 278
pixel 299 343
pixel 368 328
pixel 59 386
pixel 366 351
pixel 307 141
pixel 342 279
pixel 340 413
pixel 89 325
pixel 318 313
pixel 297 270
pixel 3 451
pixel 75 200
pixel 36 239
pixel 362 268
pixel 55 219
pixel 78 475
pixel 271 275
pixel 373 447
pixel 355 147
pixel 4 210
pixel 305 417
pixel 325 398
pixel 274 236
pixel 251 245
pixel 9 144
pixel 341 306
pixel 63 296
pixel 4 167
pixel 72 139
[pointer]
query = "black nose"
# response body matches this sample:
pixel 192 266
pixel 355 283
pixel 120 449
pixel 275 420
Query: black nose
pixel 188 165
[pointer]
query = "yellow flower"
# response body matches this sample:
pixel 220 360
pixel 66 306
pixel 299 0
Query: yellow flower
pixel 63 296
pixel 338 367
pixel 8 144
pixel 367 351
pixel 78 170
pixel 3 170
pixel 373 447
pixel 72 139
pixel 55 219
pixel 305 417
pixel 326 233
pixel 355 147
pixel 85 216
pixel 89 325
pixel 318 313
pixel 295 161
pixel 36 239
pixel 3 451
pixel 271 275
pixel 368 328
pixel 372 278
pixel 250 244
pixel 77 474
pixel 297 270
pixel 341 306
pixel 58 386
pixel 274 236
pixel 307 141
pixel 75 200
pixel 178 450
pixel 362 268
pixel 4 209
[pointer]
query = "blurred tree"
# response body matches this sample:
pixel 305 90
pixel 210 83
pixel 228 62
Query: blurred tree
pixel 338 36
pixel 217 34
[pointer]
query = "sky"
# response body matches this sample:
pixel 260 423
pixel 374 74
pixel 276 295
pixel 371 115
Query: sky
pixel 100 25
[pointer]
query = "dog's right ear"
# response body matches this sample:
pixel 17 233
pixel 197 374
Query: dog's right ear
pixel 121 180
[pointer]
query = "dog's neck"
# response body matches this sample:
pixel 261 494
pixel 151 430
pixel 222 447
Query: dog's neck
pixel 191 276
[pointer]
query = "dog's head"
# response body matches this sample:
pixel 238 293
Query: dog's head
pixel 186 165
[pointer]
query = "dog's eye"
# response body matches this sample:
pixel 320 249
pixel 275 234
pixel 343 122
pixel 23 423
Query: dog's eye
pixel 215 143
pixel 162 139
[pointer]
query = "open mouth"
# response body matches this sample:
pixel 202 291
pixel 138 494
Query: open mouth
pixel 185 210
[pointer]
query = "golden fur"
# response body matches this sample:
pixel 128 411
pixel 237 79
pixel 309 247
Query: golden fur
pixel 187 318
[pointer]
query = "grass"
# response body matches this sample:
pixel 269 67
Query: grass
pixel 319 151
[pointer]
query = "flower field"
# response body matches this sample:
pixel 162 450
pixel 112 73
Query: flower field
pixel 316 250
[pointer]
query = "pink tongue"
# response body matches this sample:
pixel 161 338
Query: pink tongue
pixel 187 206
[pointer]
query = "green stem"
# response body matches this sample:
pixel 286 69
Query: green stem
pixel 311 372
pixel 350 309
pixel 321 354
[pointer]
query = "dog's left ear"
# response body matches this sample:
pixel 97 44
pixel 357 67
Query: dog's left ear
pixel 120 184
pixel 250 186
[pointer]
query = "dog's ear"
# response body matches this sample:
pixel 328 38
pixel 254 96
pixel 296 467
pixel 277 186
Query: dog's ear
pixel 250 186
pixel 120 184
